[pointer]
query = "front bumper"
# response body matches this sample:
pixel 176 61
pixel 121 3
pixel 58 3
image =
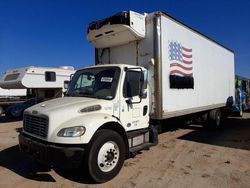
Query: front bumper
pixel 59 155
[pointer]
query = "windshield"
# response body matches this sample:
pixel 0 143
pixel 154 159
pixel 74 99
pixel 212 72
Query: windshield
pixel 100 82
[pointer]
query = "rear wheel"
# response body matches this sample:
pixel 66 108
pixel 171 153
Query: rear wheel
pixel 215 118
pixel 106 155
pixel 204 117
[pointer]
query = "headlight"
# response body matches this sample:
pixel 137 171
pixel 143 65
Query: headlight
pixel 71 131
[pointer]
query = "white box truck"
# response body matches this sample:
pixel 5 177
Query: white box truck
pixel 41 83
pixel 148 67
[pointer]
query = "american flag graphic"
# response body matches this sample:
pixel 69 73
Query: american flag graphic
pixel 180 57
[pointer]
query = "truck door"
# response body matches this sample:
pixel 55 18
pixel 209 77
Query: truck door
pixel 134 109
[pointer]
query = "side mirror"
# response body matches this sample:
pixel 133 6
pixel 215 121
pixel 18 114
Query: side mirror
pixel 129 101
pixel 143 94
pixel 66 84
pixel 144 83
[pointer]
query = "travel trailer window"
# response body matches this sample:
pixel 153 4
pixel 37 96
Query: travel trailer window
pixel 11 77
pixel 131 86
pixel 50 76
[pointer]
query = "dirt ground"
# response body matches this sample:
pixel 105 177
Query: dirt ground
pixel 186 156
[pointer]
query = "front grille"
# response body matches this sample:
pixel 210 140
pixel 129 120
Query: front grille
pixel 36 125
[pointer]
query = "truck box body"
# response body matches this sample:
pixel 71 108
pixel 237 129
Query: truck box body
pixel 188 72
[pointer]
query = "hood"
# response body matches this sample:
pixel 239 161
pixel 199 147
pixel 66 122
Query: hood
pixel 61 104
pixel 66 112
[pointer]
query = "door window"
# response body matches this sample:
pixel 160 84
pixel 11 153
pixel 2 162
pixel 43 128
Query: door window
pixel 131 86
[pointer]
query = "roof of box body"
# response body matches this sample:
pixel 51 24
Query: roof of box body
pixel 101 22
pixel 162 13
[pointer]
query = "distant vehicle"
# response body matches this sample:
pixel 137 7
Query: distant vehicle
pixel 11 96
pixel 16 110
pixel 39 82
pixel 242 94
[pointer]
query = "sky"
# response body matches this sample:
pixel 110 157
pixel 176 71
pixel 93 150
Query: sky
pixel 53 32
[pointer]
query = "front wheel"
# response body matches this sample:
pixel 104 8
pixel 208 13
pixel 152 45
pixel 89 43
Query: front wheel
pixel 106 155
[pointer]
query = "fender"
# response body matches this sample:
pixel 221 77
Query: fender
pixel 91 121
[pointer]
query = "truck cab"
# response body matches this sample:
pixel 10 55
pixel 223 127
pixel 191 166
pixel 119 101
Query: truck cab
pixel 103 118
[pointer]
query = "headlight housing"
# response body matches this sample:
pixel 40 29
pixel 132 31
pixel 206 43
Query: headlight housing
pixel 72 131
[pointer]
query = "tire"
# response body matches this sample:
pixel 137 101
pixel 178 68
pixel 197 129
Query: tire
pixel 241 111
pixel 215 118
pixel 204 117
pixel 106 155
pixel 1 110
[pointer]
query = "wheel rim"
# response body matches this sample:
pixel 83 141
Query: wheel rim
pixel 108 156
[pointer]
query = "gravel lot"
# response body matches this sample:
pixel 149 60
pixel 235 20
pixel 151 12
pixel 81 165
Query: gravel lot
pixel 186 156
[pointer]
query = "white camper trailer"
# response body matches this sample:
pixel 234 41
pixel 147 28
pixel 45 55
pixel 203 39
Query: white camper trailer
pixel 41 83
pixel 11 93
pixel 11 96
pixel 149 67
